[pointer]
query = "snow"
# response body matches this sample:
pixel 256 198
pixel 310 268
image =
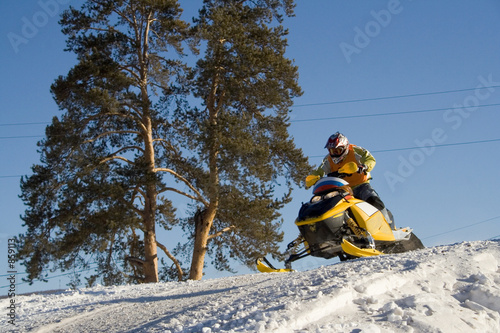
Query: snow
pixel 453 288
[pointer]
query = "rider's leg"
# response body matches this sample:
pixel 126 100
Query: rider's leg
pixel 366 193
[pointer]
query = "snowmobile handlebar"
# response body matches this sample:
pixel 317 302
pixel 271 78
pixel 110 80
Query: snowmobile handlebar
pixel 344 171
pixel 339 174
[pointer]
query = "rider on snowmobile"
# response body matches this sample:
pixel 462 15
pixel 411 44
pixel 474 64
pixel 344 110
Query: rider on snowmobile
pixel 341 152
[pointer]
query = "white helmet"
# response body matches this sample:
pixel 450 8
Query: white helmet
pixel 337 146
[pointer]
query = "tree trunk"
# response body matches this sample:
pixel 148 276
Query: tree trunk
pixel 205 218
pixel 203 223
pixel 150 247
pixel 151 262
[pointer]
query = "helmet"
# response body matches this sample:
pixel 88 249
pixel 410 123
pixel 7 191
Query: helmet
pixel 337 146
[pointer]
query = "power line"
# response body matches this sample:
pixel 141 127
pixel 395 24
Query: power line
pixel 373 151
pixel 464 227
pixel 384 114
pixel 418 147
pixel 25 124
pixel 437 146
pixel 391 97
pixel 20 137
pixel 294 121
pixel 50 277
pixel 337 102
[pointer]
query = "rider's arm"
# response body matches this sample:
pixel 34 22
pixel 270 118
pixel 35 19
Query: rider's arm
pixel 363 156
pixel 324 168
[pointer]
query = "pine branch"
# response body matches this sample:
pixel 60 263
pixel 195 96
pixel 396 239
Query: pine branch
pixel 111 133
pixel 141 198
pixel 167 145
pixel 220 232
pixel 199 197
pixel 128 148
pixel 180 273
pixel 184 194
pixel 137 113
pixel 130 70
pixel 107 159
pixel 123 16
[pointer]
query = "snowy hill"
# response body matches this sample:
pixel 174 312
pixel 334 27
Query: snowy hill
pixel 443 289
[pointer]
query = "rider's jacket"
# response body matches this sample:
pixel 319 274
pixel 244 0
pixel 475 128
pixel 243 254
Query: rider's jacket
pixel 356 154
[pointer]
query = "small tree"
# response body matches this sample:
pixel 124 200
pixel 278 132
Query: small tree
pixel 239 138
pixel 97 189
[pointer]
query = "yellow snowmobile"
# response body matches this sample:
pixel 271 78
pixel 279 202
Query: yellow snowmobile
pixel 335 224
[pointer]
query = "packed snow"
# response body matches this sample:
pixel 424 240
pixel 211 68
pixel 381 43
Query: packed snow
pixel 452 288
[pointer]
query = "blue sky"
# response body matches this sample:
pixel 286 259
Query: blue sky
pixel 356 60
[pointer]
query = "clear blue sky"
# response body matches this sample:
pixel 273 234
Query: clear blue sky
pixel 355 58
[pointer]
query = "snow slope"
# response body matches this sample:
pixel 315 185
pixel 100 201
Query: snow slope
pixel 451 288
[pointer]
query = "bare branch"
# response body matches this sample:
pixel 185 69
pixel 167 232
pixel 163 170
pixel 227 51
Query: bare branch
pixel 220 232
pixel 130 69
pixel 137 190
pixel 141 192
pixel 167 145
pixel 136 112
pixel 180 273
pixel 123 16
pixel 135 261
pixel 107 159
pixel 184 194
pixel 135 117
pixel 110 133
pixel 128 148
pixel 185 181
pixel 131 203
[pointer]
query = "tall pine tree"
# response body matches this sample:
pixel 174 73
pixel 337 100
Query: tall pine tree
pixel 246 160
pixel 108 162
pixel 97 197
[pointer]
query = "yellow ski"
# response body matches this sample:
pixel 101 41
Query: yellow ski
pixel 353 250
pixel 266 269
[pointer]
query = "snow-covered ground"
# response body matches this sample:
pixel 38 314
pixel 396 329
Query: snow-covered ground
pixel 451 288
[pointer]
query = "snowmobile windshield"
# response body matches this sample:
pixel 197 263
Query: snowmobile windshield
pixel 318 208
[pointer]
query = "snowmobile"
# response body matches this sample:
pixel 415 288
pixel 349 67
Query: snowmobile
pixel 336 224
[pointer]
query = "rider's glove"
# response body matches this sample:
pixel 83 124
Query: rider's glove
pixel 362 168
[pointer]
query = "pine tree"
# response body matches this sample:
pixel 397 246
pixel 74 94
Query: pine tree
pixel 246 162
pixel 97 195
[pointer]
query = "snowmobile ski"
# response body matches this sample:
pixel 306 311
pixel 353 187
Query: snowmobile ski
pixel 267 267
pixel 353 250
